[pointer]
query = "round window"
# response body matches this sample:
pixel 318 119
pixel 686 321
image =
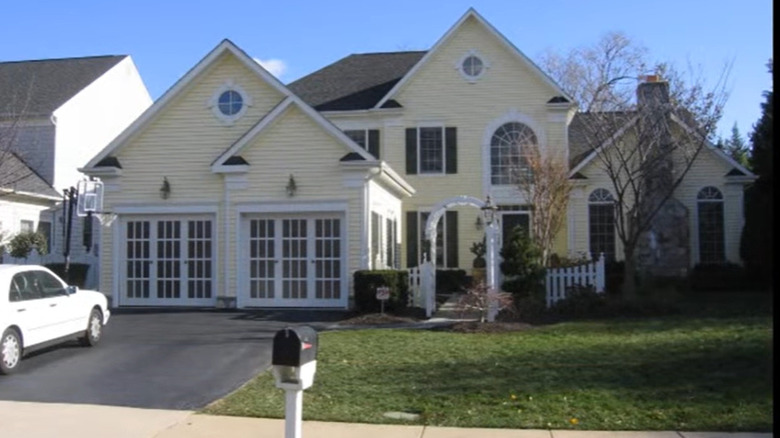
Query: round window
pixel 230 103
pixel 472 66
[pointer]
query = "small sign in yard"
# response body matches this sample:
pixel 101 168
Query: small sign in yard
pixel 383 294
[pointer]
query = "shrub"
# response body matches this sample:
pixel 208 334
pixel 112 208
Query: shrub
pixel 613 277
pixel 22 244
pixel 521 264
pixel 451 280
pixel 479 296
pixel 366 283
pixel 76 275
pixel 478 249
pixel 720 277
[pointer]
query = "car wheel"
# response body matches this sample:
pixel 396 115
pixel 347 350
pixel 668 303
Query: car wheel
pixel 10 351
pixel 94 329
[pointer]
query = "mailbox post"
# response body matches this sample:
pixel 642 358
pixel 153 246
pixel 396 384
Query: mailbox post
pixel 294 363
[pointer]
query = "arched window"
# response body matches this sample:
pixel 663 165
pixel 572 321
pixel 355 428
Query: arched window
pixel 601 220
pixel 711 236
pixel 509 147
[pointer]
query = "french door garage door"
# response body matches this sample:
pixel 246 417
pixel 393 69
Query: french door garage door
pixel 293 261
pixel 168 261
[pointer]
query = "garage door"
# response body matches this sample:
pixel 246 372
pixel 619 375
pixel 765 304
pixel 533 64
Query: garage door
pixel 293 261
pixel 168 261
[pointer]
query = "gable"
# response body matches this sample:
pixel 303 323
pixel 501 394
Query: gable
pixel 224 65
pixel 472 32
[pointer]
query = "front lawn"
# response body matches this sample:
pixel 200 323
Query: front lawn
pixel 672 373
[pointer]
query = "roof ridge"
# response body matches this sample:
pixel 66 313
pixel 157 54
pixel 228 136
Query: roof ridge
pixel 395 52
pixel 62 59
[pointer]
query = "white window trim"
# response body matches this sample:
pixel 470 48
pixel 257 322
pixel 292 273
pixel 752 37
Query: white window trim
pixel 213 102
pixel 459 66
pixel 443 149
pixel 695 234
pixel 513 115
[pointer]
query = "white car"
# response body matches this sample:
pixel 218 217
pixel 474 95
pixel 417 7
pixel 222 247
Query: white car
pixel 38 309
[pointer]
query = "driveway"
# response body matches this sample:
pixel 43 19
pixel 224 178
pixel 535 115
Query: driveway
pixel 158 359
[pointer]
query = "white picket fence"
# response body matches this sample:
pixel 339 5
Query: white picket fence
pixel 91 282
pixel 560 281
pixel 422 287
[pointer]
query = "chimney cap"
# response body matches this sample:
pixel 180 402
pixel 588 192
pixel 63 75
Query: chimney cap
pixel 651 78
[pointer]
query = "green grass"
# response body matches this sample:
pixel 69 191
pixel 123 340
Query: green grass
pixel 672 373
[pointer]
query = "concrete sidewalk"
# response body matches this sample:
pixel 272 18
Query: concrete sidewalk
pixel 50 420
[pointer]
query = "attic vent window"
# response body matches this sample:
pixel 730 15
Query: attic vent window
pixel 230 103
pixel 472 66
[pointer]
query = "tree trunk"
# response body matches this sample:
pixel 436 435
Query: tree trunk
pixel 629 274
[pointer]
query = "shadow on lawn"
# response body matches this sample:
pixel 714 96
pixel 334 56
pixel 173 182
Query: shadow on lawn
pixel 717 379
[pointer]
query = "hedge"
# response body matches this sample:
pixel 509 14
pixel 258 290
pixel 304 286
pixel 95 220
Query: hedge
pixel 366 283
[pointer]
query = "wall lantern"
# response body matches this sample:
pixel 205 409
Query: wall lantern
pixel 165 188
pixel 291 186
pixel 489 211
pixel 478 223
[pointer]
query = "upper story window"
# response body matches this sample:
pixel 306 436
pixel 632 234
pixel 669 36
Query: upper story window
pixel 368 139
pixel 509 147
pixel 431 150
pixel 472 66
pixel 229 102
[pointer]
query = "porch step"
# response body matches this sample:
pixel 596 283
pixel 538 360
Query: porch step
pixel 449 311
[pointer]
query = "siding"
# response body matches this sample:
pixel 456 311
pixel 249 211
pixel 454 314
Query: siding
pixel 295 144
pixel 181 143
pixel 439 93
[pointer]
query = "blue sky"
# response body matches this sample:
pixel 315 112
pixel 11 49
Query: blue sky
pixel 166 38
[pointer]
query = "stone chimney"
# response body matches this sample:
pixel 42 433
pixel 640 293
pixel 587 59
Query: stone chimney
pixel 664 249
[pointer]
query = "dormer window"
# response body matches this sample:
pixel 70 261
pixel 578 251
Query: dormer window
pixel 229 102
pixel 472 66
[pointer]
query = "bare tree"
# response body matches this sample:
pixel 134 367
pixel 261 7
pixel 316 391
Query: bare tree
pixel 645 145
pixel 546 188
pixel 13 165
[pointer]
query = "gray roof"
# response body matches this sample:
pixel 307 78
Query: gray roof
pixel 37 88
pixel 16 175
pixel 584 136
pixel 356 82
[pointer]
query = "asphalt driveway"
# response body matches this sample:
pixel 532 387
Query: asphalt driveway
pixel 158 359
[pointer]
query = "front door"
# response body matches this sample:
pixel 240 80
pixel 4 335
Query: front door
pixel 168 261
pixel 293 261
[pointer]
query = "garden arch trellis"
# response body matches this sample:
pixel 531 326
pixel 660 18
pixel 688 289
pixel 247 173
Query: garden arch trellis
pixel 428 270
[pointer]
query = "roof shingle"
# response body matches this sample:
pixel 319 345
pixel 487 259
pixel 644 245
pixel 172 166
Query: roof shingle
pixel 37 88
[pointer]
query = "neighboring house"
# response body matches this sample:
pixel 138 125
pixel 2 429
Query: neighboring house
pixel 233 189
pixel 54 115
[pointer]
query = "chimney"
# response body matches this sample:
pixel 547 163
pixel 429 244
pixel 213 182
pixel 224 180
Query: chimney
pixel 652 93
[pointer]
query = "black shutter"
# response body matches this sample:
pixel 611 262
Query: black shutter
pixel 451 144
pixel 452 239
pixel 411 239
pixel 373 142
pixel 411 151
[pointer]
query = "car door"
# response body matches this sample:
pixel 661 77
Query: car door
pixel 27 309
pixel 64 309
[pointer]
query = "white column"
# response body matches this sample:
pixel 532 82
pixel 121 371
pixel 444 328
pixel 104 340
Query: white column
pixel 491 274
pixel 293 410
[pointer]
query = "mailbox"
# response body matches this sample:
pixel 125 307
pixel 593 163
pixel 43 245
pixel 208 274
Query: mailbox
pixel 294 357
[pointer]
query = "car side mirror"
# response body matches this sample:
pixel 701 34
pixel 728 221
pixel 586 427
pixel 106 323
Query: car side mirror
pixel 70 290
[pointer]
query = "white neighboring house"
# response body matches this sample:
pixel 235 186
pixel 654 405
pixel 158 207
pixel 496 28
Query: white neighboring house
pixel 54 115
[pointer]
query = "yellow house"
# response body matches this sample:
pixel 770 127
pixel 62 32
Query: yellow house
pixel 233 187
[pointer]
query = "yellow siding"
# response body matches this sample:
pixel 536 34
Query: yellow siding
pixel 439 93
pixel 296 145
pixel 707 170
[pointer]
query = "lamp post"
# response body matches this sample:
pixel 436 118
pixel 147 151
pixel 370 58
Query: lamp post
pixel 489 212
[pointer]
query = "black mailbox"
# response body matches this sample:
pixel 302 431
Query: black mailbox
pixel 294 346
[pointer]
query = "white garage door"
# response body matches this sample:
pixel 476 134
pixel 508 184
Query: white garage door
pixel 168 261
pixel 293 261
